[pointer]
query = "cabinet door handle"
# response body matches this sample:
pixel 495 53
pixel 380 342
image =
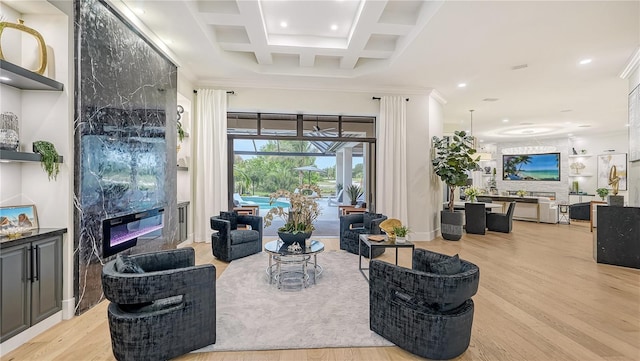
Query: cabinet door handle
pixel 30 264
pixel 36 276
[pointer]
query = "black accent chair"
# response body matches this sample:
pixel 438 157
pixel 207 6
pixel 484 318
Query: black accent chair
pixel 426 310
pixel 355 224
pixel 580 211
pixel 231 243
pixel 501 222
pixel 162 305
pixel 475 216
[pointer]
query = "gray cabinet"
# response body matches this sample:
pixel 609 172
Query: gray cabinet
pixel 31 284
pixel 183 215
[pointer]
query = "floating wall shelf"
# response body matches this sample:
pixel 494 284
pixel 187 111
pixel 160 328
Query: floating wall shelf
pixel 579 155
pixel 11 156
pixel 21 78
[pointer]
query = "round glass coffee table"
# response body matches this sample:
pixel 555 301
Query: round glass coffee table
pixel 290 267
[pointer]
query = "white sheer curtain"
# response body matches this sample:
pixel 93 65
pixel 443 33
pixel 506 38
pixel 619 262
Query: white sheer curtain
pixel 391 170
pixel 209 164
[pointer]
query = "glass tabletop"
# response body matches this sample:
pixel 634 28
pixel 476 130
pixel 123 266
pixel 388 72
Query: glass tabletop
pixel 279 247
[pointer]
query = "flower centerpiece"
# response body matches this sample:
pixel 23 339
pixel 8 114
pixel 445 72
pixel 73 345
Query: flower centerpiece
pixel 472 193
pixel 521 193
pixel 298 218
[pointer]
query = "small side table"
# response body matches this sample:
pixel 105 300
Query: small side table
pixel 563 214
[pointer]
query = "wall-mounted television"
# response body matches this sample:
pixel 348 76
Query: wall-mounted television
pixel 531 167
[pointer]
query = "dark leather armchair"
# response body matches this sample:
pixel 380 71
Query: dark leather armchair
pixel 162 305
pixel 501 222
pixel 355 224
pixel 475 216
pixel 426 310
pixel 231 243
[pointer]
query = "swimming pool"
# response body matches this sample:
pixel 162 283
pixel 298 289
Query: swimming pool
pixel 263 202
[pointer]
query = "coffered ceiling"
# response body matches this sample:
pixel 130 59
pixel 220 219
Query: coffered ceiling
pixel 524 63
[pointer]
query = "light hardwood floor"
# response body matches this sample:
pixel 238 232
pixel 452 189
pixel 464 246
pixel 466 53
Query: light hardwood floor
pixel 541 297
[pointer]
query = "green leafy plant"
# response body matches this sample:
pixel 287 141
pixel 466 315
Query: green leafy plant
pixel 181 132
pixel 301 213
pixel 602 192
pixel 401 231
pixel 521 193
pixel 452 160
pixel 354 193
pixel 49 157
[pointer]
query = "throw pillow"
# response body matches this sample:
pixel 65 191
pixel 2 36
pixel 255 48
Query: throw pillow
pixel 449 266
pixel 232 217
pixel 125 264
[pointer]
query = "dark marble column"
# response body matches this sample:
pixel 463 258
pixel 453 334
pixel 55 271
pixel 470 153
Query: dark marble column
pixel 617 239
pixel 125 138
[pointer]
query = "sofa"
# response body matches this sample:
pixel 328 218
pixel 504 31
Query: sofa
pixel 529 211
pixel 580 211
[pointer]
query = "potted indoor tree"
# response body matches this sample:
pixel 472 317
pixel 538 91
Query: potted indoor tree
pixel 451 162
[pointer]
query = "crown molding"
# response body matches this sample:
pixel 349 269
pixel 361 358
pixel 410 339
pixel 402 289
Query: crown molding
pixel 632 65
pixel 231 84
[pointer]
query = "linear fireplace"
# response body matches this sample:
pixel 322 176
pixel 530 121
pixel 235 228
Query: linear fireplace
pixel 123 232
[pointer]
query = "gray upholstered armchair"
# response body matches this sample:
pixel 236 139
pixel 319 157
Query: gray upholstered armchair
pixel 162 305
pixel 353 225
pixel 229 242
pixel 426 310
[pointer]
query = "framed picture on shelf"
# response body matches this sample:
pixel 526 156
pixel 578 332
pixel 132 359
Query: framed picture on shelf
pixel 18 217
pixel 605 164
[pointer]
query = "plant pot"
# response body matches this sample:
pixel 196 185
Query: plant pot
pixel 291 238
pixel 401 240
pixel 451 225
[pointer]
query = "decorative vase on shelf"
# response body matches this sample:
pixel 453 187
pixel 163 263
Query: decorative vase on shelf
pixel 9 131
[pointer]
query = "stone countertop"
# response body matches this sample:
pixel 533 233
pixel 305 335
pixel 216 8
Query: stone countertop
pixel 33 235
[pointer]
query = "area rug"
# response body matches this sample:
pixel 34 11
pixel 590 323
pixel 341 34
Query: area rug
pixel 255 315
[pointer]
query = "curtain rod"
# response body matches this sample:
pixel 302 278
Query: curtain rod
pixel 228 92
pixel 378 98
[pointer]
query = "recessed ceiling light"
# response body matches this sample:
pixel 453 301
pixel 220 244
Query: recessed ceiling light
pixel 521 66
pixel 585 126
pixel 490 99
pixel 5 78
pixel 585 61
pixel 283 24
pixel 626 125
pixel 334 27
pixel 525 123
pixel 481 141
pixel 462 85
pixel 566 110
pixel 505 120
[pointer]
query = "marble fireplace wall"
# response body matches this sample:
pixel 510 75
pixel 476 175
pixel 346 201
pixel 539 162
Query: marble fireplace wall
pixel 124 141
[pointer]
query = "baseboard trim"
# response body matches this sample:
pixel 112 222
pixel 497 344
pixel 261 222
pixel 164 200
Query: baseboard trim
pixel 424 236
pixel 33 331
pixel 68 308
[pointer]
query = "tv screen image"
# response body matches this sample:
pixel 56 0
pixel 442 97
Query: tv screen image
pixel 531 167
